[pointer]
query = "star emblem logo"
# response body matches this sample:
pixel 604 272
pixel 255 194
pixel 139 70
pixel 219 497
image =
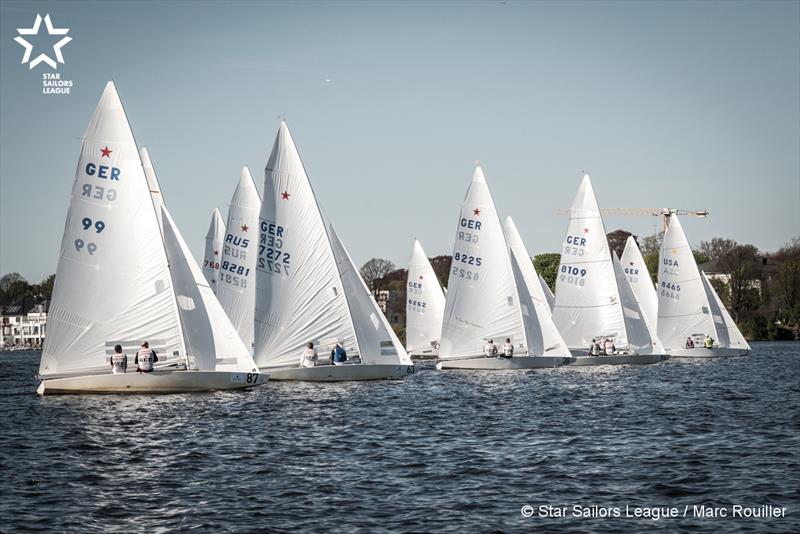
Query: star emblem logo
pixel 285 195
pixel 585 230
pixel 476 211
pixel 244 228
pixel 631 264
pixel 420 277
pixel 216 253
pixel 42 58
pixel 106 152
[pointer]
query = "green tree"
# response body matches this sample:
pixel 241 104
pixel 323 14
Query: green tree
pixel 617 239
pixel 651 244
pixel 717 248
pixel 373 272
pixel 547 266
pixel 12 287
pixel 742 264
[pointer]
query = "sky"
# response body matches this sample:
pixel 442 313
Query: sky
pixel 691 105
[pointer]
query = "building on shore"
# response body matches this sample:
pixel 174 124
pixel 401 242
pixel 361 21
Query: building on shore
pixel 23 324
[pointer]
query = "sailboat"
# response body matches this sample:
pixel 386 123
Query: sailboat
pixel 688 306
pixel 213 251
pixel 589 304
pixel 553 342
pixel 121 281
pixel 487 296
pixel 424 306
pixel 309 290
pixel 236 288
pixel 639 277
pixel 548 293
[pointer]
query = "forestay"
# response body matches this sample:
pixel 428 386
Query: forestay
pixel 375 339
pixel 299 296
pixel 236 286
pixel 213 251
pixel 112 283
pixel 587 301
pixel 482 300
pixel 424 303
pixel 553 343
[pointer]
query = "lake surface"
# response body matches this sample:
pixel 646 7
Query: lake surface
pixel 440 451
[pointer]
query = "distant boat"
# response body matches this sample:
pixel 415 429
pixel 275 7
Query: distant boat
pixel 424 306
pixel 487 296
pixel 120 281
pixel 554 344
pixel 688 306
pixel 589 304
pixel 639 277
pixel 309 290
pixel 213 251
pixel 236 286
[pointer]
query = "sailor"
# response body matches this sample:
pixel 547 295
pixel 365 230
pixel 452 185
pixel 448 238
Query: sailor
pixel 490 349
pixel 309 356
pixel 338 355
pixel 689 343
pixel 145 358
pixel 708 342
pixel 609 347
pixel 119 361
pixel 595 349
pixel 508 349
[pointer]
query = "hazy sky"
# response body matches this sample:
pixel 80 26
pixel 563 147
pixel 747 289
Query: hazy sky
pixel 679 104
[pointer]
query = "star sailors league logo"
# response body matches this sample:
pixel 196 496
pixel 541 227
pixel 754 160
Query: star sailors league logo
pixel 51 81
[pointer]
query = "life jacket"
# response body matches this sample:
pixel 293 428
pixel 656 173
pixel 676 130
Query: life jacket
pixel 709 342
pixel 119 361
pixel 146 359
pixel 596 350
pixel 309 358
pixel 339 355
pixel 508 349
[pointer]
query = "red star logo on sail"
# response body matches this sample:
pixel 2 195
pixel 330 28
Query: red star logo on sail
pixel 216 253
pixel 106 152
pixel 631 264
pixel 585 230
pixel 244 228
pixel 285 195
pixel 476 211
pixel 420 277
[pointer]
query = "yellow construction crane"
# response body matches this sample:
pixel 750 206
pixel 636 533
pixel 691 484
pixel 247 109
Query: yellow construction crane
pixel 665 213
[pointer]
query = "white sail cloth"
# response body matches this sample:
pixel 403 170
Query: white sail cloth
pixel 640 281
pixel 236 285
pixel 113 284
pixel 424 303
pixel 213 250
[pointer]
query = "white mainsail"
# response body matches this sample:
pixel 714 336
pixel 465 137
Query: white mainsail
pixel 424 303
pixel 299 293
pixel 377 343
pixel 548 293
pixel 554 344
pixel 640 281
pixel 236 285
pixel 213 251
pixel 113 284
pixel 683 308
pixel 482 299
pixel 587 297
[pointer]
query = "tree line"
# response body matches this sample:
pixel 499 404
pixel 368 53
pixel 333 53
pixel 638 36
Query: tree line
pixel 13 287
pixel 761 290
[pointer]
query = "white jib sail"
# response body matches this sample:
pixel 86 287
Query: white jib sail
pixel 212 342
pixel 553 343
pixel 482 299
pixel 424 303
pixel 640 281
pixel 213 251
pixel 642 337
pixel 548 293
pixel 236 285
pixel 377 343
pixel 683 308
pixel 112 284
pixel 299 295
pixel 729 334
pixel 587 296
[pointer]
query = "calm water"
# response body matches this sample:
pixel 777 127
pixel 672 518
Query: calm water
pixel 441 451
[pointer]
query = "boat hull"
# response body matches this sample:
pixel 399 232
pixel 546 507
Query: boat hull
pixel 504 364
pixel 342 373
pixel 618 359
pixel 702 352
pixel 155 382
pixel 424 355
